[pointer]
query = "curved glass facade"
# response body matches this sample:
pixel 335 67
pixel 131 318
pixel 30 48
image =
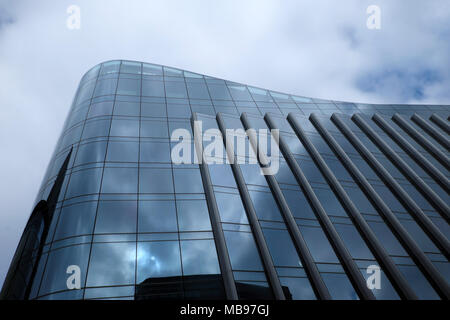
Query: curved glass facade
pixel 358 186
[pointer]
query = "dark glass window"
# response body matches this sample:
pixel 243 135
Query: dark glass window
pixel 243 252
pixel 231 208
pixel 153 110
pixel 112 264
pixel 154 129
pixel 329 202
pixel 265 206
pixel 125 128
pixel 131 87
pixel 116 217
pixel 154 180
pixel 157 216
pixel 158 260
pixel 101 109
pixel 155 152
pixel 175 89
pixel 298 204
pixel 281 248
pixel 193 215
pixel 199 257
pixel 123 151
pixel 188 181
pixel 120 180
pixel 55 277
pixel 126 108
pixel 152 88
pixel 91 152
pixel 75 220
pixel 96 128
pixel 84 182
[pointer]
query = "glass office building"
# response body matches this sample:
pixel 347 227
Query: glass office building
pixel 362 191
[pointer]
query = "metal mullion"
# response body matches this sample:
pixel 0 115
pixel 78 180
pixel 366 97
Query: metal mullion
pixel 423 141
pixel 417 181
pixel 252 217
pixel 299 242
pixel 388 265
pixel 423 262
pixel 342 252
pixel 219 237
pixel 432 131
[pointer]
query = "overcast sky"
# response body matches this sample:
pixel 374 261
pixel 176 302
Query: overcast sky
pixel 312 48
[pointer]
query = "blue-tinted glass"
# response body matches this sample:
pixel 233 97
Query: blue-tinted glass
pixel 299 288
pixel 219 92
pixel 76 220
pixel 155 152
pixel 101 109
pixel 199 257
pixel 243 252
pixel 318 244
pixel 112 264
pixel 123 151
pixel 116 217
pixel 55 277
pixel 126 108
pixel 120 180
pixel 152 88
pixel 91 152
pixel 188 181
pixel 157 216
pixel 329 202
pixel 154 129
pixel 125 128
pixel 96 128
pixel 131 87
pixel 230 208
pixel 197 90
pixel 339 286
pixel 265 206
pixel 155 180
pixel 281 248
pixel 193 215
pixel 153 110
pixel 298 204
pixel 105 87
pixel 176 89
pixel 84 182
pixel 158 260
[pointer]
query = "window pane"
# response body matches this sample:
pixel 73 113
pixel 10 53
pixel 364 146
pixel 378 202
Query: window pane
pixel 243 252
pixel 157 216
pixel 188 181
pixel 125 128
pixel 154 129
pixel 175 89
pixel 123 151
pixel 84 182
pixel 112 264
pixel 158 260
pixel 55 277
pixel 152 88
pixel 193 215
pixel 91 152
pixel 131 87
pixel 155 152
pixel 155 180
pixel 126 108
pixel 199 257
pixel 231 208
pixel 120 180
pixel 76 220
pixel 116 217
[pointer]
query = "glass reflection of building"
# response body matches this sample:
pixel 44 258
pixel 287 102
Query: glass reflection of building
pixel 358 185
